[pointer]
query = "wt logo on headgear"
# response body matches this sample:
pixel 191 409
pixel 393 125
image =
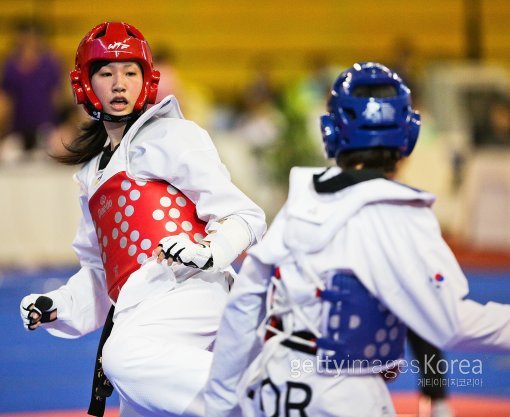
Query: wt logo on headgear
pixel 118 45
pixel 379 112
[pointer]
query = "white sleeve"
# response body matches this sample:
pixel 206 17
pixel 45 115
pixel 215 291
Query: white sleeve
pixel 237 342
pixel 412 270
pixel 228 239
pixel 184 155
pixel 82 303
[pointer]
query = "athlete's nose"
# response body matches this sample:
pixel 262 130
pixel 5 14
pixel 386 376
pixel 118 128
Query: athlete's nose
pixel 118 84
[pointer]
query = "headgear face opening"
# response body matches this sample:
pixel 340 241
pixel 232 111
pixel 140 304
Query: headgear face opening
pixel 358 118
pixel 112 42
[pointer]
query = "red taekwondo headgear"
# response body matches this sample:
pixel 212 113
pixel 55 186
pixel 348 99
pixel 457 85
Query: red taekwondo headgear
pixel 113 41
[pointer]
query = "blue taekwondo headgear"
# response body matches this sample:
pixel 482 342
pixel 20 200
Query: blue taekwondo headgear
pixel 358 121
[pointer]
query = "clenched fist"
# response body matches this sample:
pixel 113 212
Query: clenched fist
pixel 36 309
pixel 182 249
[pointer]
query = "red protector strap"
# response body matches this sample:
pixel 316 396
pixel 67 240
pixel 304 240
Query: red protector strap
pixel 131 217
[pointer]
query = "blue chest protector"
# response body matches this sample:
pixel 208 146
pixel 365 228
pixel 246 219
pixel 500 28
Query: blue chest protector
pixel 359 333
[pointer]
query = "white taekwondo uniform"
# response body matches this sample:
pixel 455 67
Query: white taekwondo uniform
pixel 164 179
pixel 339 276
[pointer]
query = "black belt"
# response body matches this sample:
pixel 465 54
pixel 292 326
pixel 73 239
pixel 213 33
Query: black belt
pixel 312 350
pixel 101 386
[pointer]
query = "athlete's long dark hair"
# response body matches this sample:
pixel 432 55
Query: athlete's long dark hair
pixel 89 143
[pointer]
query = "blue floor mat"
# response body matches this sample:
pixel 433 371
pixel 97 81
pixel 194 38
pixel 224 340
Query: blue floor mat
pixel 41 372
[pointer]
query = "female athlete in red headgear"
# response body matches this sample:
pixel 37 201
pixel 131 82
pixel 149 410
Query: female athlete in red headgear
pixel 149 177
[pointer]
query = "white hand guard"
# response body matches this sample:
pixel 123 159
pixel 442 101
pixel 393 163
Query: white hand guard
pixel 182 249
pixel 35 308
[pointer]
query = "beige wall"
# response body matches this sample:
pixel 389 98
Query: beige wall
pixel 39 214
pixel 39 210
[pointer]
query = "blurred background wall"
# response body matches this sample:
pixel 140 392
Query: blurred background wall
pixel 256 74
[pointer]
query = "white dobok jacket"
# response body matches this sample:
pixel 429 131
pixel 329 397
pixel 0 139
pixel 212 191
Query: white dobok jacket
pixel 381 231
pixel 165 178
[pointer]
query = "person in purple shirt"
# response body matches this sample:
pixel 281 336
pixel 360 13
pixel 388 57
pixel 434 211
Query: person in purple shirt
pixel 31 78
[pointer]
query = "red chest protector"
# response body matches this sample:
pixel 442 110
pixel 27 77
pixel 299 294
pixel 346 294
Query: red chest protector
pixel 131 217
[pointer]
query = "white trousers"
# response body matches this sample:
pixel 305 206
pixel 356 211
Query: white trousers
pixel 286 384
pixel 159 352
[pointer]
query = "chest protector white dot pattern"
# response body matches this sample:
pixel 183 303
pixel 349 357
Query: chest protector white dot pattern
pixel 131 217
pixel 358 332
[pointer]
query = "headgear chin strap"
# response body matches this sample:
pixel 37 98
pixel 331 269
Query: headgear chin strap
pixel 107 117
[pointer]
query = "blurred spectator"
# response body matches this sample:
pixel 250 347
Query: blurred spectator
pixel 5 114
pixel 302 103
pixel 314 90
pixel 194 100
pixel 246 131
pixel 259 121
pixel 170 82
pixel 320 78
pixel 404 62
pixel 31 80
pixel 69 119
pixel 494 130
